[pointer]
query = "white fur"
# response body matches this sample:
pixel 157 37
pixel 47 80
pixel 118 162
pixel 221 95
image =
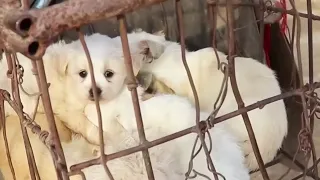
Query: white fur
pixel 164 115
pixel 130 167
pixel 255 81
pixel 68 91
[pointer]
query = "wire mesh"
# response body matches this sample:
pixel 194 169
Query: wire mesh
pixel 30 32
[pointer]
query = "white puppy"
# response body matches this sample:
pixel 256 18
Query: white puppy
pixel 76 150
pixel 164 115
pixel 255 81
pixel 70 88
pixel 130 167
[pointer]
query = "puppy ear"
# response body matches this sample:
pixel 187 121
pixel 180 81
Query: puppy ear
pixel 159 33
pixel 151 49
pixel 63 67
pixel 145 51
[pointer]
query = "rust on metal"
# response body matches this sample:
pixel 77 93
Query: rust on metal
pixel 19 23
pixel 194 91
pixel 95 96
pixel 15 43
pixel 49 22
pixel 203 125
pixel 17 100
pixel 132 86
pixel 43 87
pixel 236 92
pixel 31 31
pixel 4 131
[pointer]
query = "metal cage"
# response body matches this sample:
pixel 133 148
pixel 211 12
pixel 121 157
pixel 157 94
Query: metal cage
pixel 31 31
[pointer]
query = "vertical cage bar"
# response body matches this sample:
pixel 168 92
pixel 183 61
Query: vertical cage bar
pixel 298 23
pixel 95 96
pixel 35 169
pixel 310 53
pixel 179 15
pixel 4 134
pixel 310 41
pixel 16 97
pixel 212 13
pixel 132 86
pixel 46 101
pixel 233 81
pixel 306 121
pixel 261 23
pixel 35 72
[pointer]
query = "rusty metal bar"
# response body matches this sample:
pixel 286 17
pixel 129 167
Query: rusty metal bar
pixel 80 173
pixel 96 100
pixel 213 20
pixel 310 53
pixel 4 133
pixel 203 125
pixel 56 146
pixel 261 22
pixel 308 172
pixel 270 8
pixel 305 120
pixel 10 4
pixel 132 86
pixel 51 21
pixel 12 41
pixel 45 24
pixel 35 73
pixel 30 150
pixel 233 81
pixel 179 15
pixel 138 148
pixel 25 4
pixel 39 39
pixel 35 128
pixel 213 17
pixel 21 25
pixel 300 72
pixel 16 97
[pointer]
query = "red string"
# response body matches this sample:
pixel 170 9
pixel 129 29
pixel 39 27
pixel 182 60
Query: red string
pixel 283 23
pixel 267 42
pixel 267 31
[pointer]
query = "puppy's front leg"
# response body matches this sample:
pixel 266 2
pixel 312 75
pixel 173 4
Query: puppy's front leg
pixel 92 132
pixel 151 85
pixel 79 123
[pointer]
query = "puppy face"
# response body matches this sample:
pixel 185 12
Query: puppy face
pixel 109 75
pixel 108 68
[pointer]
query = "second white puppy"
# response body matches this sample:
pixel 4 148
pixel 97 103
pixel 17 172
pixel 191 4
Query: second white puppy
pixel 130 167
pixel 164 115
pixel 255 81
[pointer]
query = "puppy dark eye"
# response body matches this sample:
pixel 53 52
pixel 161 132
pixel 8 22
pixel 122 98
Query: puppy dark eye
pixel 83 73
pixel 108 74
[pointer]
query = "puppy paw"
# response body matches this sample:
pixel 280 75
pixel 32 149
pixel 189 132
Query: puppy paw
pixel 96 150
pixel 146 96
pixel 144 79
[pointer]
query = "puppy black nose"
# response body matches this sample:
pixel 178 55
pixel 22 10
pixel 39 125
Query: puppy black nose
pixel 99 91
